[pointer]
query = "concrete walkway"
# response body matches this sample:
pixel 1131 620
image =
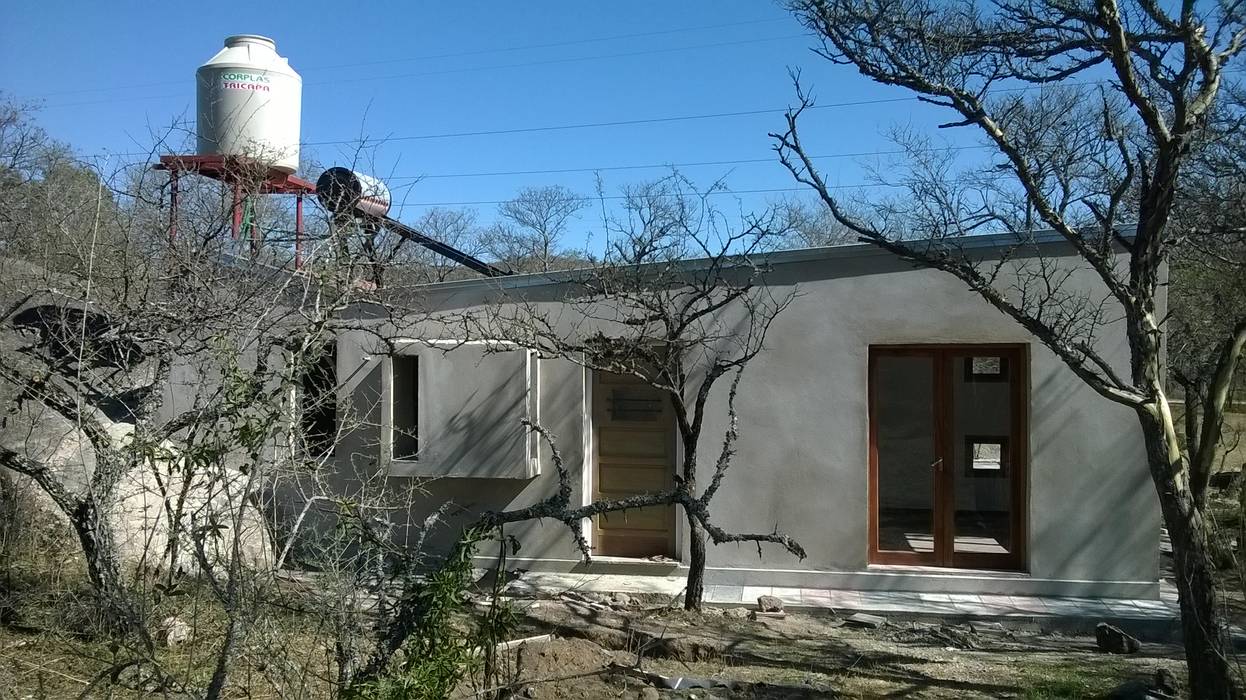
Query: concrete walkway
pixel 884 602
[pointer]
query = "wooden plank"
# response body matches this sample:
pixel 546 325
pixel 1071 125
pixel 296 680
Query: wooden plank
pixel 631 457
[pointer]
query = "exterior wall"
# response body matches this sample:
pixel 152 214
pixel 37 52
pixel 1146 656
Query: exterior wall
pixel 801 465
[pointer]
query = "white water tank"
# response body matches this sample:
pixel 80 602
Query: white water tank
pixel 249 103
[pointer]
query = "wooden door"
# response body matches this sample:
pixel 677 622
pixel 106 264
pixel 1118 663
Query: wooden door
pixel 633 453
pixel 947 455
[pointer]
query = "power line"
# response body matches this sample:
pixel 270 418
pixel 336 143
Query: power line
pixel 552 45
pixel 692 164
pixel 555 61
pixel 715 193
pixel 460 54
pixel 452 71
pixel 605 124
pixel 626 122
pixel 597 125
pixel 570 127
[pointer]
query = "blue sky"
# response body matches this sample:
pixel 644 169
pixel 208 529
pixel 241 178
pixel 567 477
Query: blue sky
pixel 113 76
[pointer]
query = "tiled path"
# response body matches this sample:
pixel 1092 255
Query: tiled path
pixel 886 602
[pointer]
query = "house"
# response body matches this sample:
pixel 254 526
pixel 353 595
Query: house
pixel 909 435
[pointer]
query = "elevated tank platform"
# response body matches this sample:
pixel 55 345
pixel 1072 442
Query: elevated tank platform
pixel 236 169
pixel 245 177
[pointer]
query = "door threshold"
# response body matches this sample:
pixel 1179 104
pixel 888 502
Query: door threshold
pixel 623 565
pixel 946 571
pixel 641 561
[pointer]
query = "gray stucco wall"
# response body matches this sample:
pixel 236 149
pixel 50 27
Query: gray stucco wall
pixel 1093 520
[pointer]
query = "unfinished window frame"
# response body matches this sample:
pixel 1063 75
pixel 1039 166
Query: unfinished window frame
pixel 408 453
pixel 427 467
pixel 317 444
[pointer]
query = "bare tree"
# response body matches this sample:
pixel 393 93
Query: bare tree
pixel 455 227
pixel 534 223
pixel 677 325
pixel 812 226
pixel 1101 162
pixel 174 398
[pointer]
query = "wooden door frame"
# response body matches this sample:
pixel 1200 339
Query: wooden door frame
pixel 943 501
pixel 593 476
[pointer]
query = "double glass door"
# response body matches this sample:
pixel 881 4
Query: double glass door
pixel 947 453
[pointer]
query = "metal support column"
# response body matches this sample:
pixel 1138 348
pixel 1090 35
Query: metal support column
pixel 298 232
pixel 172 205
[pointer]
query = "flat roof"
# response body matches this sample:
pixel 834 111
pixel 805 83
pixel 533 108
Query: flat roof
pixel 981 242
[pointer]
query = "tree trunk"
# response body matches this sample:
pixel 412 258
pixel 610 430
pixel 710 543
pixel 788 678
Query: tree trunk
pixel 98 546
pixel 695 592
pixel 220 674
pixel 1202 626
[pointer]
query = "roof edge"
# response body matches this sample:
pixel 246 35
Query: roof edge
pixel 982 242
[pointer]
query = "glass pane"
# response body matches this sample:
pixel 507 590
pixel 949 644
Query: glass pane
pixel 905 429
pixel 981 425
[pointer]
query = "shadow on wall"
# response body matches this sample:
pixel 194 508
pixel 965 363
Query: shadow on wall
pixel 474 439
pixel 1100 493
pixel 561 397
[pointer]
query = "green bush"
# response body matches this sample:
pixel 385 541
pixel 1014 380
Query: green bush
pixel 442 644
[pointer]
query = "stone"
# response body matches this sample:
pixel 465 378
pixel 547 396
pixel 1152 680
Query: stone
pixel 173 632
pixel 759 615
pixel 529 691
pixel 1114 640
pixel 662 643
pixel 769 603
pixel 648 693
pixel 956 637
pixel 865 620
pixel 736 613
pixel 980 626
pixel 622 600
pixel 145 494
pixel 1161 686
pixel 1225 480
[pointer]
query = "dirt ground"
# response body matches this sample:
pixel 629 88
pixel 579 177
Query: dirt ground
pixel 607 650
pixel 632 647
pixel 628 650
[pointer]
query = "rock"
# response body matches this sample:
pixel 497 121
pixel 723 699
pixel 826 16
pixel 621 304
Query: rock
pixel 737 613
pixel 173 632
pixel 1114 640
pixel 529 691
pixel 1161 686
pixel 145 494
pixel 1028 629
pixel 1165 682
pixel 622 600
pixel 979 626
pixel 769 603
pixel 758 615
pixel 683 647
pixel 957 638
pixel 648 693
pixel 1225 480
pixel 865 620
